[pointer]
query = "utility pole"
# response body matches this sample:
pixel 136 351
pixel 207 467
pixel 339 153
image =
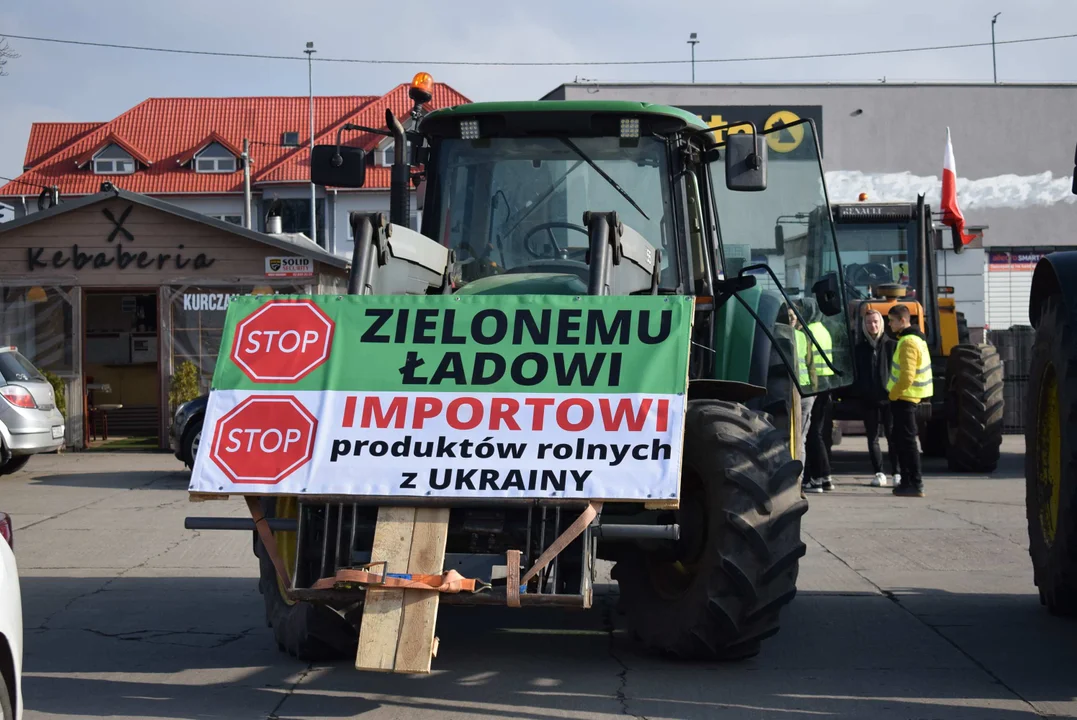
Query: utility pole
pixel 994 70
pixel 313 189
pixel 693 42
pixel 246 183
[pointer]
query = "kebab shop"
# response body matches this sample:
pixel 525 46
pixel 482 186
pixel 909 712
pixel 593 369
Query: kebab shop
pixel 120 299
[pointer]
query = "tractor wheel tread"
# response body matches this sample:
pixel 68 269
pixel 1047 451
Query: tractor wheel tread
pixel 1054 563
pixel 974 405
pixel 306 631
pixel 747 483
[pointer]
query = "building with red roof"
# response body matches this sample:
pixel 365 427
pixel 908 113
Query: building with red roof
pixel 189 152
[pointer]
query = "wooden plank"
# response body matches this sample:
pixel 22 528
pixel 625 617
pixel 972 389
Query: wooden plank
pixel 416 645
pixel 383 609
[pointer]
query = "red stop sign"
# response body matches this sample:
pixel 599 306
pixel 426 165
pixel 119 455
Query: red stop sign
pixel 264 439
pixel 282 341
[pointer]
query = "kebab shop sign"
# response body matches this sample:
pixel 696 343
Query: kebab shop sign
pixel 449 396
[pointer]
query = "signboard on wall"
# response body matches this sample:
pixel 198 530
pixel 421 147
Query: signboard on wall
pixel 289 266
pixel 784 143
pixel 1001 260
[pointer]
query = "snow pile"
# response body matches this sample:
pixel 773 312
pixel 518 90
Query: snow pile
pixel 1001 191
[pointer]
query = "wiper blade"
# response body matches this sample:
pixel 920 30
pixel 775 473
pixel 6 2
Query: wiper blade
pixel 600 171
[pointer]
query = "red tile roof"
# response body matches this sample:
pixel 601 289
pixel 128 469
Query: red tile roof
pixel 160 132
pixel 49 137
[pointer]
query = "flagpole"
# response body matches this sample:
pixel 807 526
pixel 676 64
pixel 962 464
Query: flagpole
pixel 994 70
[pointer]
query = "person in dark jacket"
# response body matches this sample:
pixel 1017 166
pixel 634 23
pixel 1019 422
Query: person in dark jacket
pixel 873 355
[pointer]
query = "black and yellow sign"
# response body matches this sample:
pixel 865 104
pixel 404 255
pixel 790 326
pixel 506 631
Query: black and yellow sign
pixel 785 137
pixel 784 131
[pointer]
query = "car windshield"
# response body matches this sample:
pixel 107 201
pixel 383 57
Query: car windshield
pixel 875 254
pixel 517 204
pixel 16 368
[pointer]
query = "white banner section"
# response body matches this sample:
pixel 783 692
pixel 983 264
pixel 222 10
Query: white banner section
pixel 482 445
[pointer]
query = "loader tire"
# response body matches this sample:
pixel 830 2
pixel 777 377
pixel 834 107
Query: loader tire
pixel 306 631
pixel 973 408
pixel 963 335
pixel 718 591
pixel 1051 458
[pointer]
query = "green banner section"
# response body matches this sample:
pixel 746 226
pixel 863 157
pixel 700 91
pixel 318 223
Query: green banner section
pixel 456 343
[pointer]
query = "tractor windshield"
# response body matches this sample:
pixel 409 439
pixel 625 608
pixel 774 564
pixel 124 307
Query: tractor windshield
pixel 787 227
pixel 516 204
pixel 876 254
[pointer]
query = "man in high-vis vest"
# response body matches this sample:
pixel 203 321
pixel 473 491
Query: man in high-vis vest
pixel 817 472
pixel 909 383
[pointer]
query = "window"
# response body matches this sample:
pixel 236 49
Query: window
pixel 215 158
pixel 113 160
pixel 289 139
pixel 295 216
pixel 234 219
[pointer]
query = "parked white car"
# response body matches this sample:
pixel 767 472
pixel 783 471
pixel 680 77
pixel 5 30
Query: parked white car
pixel 10 626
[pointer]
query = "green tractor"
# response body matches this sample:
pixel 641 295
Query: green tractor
pixel 614 199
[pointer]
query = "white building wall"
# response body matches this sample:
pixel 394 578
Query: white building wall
pixel 965 273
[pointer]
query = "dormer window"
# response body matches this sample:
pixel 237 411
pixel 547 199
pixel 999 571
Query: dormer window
pixel 215 158
pixel 113 160
pixel 385 154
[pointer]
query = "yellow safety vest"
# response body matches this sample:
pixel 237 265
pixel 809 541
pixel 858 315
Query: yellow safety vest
pixel 803 379
pixel 822 336
pixel 922 386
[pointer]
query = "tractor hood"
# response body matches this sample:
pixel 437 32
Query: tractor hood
pixel 526 284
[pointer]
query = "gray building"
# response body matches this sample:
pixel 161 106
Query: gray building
pixel 1013 145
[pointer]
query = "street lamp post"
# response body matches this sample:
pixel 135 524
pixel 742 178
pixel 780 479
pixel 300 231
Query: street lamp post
pixel 693 42
pixel 994 70
pixel 310 100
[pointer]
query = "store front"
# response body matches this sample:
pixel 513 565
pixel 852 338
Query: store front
pixel 118 297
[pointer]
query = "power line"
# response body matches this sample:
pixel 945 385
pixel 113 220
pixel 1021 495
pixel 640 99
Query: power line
pixel 478 63
pixel 23 182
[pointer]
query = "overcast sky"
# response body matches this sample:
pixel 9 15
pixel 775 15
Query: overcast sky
pixel 52 82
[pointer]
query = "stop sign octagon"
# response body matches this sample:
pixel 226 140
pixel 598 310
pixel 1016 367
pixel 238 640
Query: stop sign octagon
pixel 264 439
pixel 282 341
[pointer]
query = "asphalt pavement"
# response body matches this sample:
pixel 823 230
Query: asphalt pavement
pixel 908 608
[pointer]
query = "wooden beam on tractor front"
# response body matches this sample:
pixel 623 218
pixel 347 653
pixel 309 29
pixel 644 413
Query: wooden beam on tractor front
pixel 397 631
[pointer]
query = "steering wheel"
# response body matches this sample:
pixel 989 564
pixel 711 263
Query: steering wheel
pixel 559 252
pixel 869 274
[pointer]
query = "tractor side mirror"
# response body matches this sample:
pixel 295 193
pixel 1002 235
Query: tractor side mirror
pixel 828 294
pixel 745 162
pixel 340 167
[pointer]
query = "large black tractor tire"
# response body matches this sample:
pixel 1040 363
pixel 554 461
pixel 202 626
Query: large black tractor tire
pixel 963 336
pixel 1051 458
pixel 973 408
pixel 717 594
pixel 306 631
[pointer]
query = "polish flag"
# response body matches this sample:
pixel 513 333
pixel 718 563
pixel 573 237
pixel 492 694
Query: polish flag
pixel 951 213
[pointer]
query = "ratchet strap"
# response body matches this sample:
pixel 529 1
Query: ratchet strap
pixel 266 536
pixel 512 586
pixel 447 582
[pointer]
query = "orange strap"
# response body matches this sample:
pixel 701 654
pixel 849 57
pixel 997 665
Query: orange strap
pixel 266 536
pixel 448 582
pixel 514 581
